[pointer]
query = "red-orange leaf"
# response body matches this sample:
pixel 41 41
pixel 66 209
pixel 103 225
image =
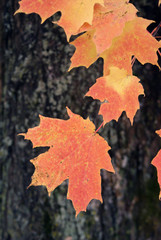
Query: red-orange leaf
pixel 76 153
pixel 108 22
pixel 130 42
pixel 74 12
pixel 85 52
pixel 157 163
pixel 121 92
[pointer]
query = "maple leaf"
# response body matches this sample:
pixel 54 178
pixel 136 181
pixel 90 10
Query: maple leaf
pixel 74 12
pixel 121 92
pixel 82 56
pixel 108 22
pixel 130 42
pixel 76 153
pixel 157 163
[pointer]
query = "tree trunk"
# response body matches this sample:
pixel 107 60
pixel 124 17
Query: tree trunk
pixel 34 62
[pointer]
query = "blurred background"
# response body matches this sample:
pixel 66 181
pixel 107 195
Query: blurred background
pixel 34 79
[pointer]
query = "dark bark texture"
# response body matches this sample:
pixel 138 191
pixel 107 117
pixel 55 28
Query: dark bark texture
pixel 34 79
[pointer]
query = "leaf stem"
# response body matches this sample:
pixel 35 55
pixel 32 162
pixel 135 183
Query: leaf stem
pixel 155 31
pixel 99 127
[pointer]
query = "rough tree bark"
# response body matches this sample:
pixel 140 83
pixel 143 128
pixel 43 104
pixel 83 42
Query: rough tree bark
pixel 34 62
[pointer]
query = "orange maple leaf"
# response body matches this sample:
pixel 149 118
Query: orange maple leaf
pixel 85 52
pixel 130 42
pixel 74 12
pixel 121 92
pixel 118 59
pixel 76 153
pixel 157 163
pixel 108 22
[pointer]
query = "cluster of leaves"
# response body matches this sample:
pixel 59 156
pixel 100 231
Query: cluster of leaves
pixel 112 30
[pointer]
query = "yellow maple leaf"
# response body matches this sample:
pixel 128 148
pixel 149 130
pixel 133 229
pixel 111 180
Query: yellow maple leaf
pixel 74 12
